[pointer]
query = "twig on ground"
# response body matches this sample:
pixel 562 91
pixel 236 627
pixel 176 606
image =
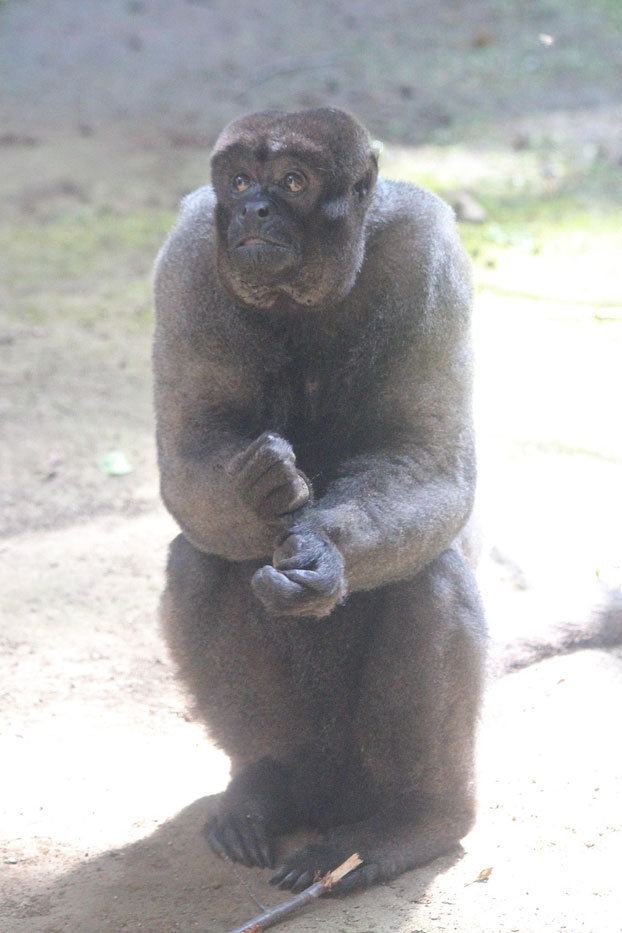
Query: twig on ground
pixel 276 914
pixel 246 886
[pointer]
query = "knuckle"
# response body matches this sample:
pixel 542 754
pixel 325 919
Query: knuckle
pixel 276 446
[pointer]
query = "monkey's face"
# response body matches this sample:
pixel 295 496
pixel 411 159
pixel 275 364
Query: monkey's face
pixel 292 193
pixel 262 207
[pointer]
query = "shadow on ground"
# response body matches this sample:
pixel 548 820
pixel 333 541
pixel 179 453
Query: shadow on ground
pixel 171 881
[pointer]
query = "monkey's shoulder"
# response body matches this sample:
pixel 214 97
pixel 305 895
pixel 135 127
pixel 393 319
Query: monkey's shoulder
pixel 185 275
pixel 193 234
pixel 411 212
pixel 414 256
pixel 199 206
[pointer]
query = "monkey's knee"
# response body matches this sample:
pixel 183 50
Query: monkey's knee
pixel 179 552
pixel 193 581
pixel 191 574
pixel 185 558
pixel 448 588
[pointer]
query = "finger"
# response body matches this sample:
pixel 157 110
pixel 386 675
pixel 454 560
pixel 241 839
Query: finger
pixel 243 841
pixel 279 874
pixel 275 590
pixel 240 461
pixel 224 839
pixel 288 881
pixel 298 551
pixel 302 556
pixel 214 842
pixel 361 877
pixel 300 494
pixel 254 840
pixel 265 847
pixel 286 497
pixel 303 881
pixel 274 474
pixel 312 580
pixel 262 453
pixel 297 562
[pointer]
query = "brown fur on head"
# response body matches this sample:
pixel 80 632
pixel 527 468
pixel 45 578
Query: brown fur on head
pixel 305 245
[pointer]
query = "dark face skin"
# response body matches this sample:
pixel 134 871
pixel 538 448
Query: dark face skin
pixel 288 223
pixel 265 209
pixel 312 389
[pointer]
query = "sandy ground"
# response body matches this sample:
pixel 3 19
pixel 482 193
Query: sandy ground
pixel 105 780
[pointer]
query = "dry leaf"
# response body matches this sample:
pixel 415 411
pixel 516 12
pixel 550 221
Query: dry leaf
pixel 484 875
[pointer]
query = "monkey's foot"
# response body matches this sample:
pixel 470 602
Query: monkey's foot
pixel 255 808
pixel 300 869
pixel 242 837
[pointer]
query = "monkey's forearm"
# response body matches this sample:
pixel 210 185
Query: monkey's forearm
pixel 386 531
pixel 199 495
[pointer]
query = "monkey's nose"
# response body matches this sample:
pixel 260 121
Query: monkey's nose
pixel 261 208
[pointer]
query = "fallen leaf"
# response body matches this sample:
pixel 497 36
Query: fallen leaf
pixel 484 875
pixel 115 463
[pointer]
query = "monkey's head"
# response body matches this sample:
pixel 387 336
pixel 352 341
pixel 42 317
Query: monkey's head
pixel 292 193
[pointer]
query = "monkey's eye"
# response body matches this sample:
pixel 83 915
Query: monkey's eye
pixel 294 182
pixel 240 183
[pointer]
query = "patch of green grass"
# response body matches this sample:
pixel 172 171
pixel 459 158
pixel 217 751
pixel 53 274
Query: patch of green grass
pixel 553 227
pixel 546 265
pixel 82 265
pixel 553 248
pixel 80 242
pixel 128 304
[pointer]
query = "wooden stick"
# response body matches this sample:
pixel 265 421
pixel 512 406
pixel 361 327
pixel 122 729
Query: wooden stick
pixel 276 914
pixel 246 885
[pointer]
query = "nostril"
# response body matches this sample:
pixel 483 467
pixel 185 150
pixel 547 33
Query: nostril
pixel 260 208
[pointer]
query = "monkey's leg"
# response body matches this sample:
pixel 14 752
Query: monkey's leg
pixel 241 668
pixel 418 706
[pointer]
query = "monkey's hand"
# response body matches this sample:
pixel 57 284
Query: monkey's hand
pixel 266 478
pixel 307 576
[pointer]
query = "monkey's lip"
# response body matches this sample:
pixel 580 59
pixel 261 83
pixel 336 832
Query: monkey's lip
pixel 253 241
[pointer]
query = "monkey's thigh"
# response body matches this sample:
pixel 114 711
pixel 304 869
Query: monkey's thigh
pixel 421 687
pixel 221 642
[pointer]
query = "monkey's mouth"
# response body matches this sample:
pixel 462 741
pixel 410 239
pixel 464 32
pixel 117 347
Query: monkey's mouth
pixel 262 258
pixel 256 242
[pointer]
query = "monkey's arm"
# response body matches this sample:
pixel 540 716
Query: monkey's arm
pixel 397 505
pixel 195 449
pixel 207 387
pixel 390 509
pixel 408 490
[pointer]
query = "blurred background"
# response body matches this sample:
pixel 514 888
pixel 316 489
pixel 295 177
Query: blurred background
pixel 510 109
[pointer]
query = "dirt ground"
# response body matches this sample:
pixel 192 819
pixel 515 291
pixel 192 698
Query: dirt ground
pixel 106 116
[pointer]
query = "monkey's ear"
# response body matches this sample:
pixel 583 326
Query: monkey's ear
pixel 364 185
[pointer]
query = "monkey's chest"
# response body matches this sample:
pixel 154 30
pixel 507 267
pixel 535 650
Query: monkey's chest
pixel 311 397
pixel 315 411
pixel 313 422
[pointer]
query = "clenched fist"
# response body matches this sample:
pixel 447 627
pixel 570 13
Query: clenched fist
pixel 307 576
pixel 266 478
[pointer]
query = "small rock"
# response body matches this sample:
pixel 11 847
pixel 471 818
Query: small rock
pixel 482 38
pixel 521 141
